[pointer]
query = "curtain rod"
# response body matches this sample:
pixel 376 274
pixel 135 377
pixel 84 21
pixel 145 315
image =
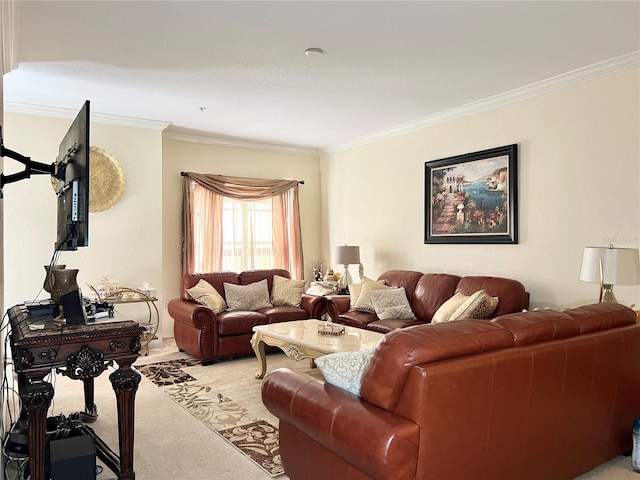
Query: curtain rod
pixel 301 182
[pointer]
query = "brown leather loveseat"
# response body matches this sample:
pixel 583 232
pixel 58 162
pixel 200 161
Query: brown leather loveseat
pixel 426 293
pixel 527 396
pixel 209 336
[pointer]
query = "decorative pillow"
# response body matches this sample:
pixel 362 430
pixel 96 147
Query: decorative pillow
pixel 392 303
pixel 364 299
pixel 345 369
pixel 286 292
pixel 205 294
pixel 247 297
pixel 448 308
pixel 478 305
pixel 354 293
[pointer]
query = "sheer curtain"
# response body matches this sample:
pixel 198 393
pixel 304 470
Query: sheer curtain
pixel 206 251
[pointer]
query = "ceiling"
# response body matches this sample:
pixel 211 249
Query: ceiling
pixel 237 69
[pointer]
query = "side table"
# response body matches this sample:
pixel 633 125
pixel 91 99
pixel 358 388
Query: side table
pixel 80 352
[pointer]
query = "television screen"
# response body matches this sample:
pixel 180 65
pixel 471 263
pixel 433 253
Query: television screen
pixel 72 172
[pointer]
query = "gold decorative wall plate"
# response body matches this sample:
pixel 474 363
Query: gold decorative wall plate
pixel 106 180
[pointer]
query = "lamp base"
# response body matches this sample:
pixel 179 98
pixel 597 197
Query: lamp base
pixel 345 281
pixel 607 295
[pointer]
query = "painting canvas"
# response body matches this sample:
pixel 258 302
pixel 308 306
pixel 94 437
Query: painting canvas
pixel 472 198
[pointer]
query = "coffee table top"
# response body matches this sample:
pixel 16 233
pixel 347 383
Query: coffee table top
pixel 304 333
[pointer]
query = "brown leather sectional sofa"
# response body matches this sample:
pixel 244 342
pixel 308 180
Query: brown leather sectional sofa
pixel 209 336
pixel 535 395
pixel 426 292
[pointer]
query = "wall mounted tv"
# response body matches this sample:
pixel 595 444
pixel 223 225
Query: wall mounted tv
pixel 72 173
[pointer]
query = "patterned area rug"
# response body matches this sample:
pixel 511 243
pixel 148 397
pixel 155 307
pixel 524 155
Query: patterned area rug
pixel 225 396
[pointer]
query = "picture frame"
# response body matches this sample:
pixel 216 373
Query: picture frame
pixel 473 198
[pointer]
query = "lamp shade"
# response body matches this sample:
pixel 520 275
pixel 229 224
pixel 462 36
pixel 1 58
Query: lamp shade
pixel 620 266
pixel 346 255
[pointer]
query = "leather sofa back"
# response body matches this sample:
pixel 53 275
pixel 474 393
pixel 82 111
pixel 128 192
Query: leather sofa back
pixel 432 290
pixel 218 279
pixel 252 276
pixel 384 381
pixel 427 292
pixel 513 297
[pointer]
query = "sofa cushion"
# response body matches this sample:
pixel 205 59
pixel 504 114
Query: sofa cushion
pixel 538 326
pixel 432 290
pixel 513 297
pixel 206 295
pixel 345 369
pixel 590 318
pixel 284 314
pixel 286 292
pixel 391 303
pixel 240 322
pixel 357 318
pixel 247 297
pixel 478 305
pixel 448 308
pixel 363 302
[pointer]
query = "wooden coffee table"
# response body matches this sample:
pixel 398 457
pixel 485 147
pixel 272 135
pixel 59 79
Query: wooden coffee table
pixel 299 339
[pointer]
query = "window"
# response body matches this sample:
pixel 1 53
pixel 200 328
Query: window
pixel 247 235
pixel 236 224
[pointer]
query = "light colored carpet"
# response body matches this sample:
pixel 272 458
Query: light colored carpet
pixel 170 443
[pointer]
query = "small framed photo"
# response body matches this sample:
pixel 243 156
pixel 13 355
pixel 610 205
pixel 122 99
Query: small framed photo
pixel 472 198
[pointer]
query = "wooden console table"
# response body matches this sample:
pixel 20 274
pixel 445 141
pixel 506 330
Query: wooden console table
pixel 81 352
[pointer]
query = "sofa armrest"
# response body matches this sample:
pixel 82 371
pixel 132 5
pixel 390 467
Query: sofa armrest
pixel 314 304
pixel 337 305
pixel 377 442
pixel 191 313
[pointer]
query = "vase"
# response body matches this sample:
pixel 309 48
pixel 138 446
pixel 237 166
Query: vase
pixel 64 281
pixel 48 279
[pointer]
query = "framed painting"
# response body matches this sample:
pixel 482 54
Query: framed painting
pixel 472 198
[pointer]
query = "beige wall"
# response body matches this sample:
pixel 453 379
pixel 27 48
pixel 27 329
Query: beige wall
pixel 579 152
pixel 125 242
pixel 579 172
pixel 202 158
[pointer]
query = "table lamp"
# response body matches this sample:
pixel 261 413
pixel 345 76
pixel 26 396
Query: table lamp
pixel 610 266
pixel 346 255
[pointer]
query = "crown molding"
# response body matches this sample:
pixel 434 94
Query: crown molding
pixel 607 67
pixel 59 112
pixel 236 142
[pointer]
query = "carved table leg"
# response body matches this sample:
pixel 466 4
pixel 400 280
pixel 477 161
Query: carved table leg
pixel 90 413
pixel 258 348
pixel 125 383
pixel 36 398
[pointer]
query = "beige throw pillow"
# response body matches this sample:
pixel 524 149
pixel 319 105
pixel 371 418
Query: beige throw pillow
pixel 205 294
pixel 286 292
pixel 363 301
pixel 443 314
pixel 392 303
pixel 478 305
pixel 354 293
pixel 247 297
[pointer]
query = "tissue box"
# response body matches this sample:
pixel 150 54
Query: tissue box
pixel 148 291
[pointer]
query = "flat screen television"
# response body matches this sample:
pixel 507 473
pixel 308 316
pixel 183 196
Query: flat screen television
pixel 72 173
